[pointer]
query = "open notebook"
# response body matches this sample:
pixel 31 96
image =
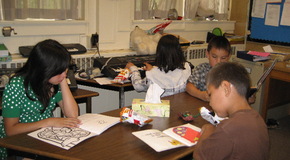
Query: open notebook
pixel 65 137
pixel 262 79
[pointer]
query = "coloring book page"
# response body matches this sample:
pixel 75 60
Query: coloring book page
pixel 62 137
pixel 179 136
pixel 65 137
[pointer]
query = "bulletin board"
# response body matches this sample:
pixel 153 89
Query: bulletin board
pixel 263 32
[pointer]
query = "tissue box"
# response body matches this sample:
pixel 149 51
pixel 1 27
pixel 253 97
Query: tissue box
pixel 152 109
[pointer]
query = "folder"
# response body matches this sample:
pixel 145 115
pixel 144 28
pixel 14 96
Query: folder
pixel 244 55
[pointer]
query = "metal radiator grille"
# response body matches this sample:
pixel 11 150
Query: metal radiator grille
pixel 84 61
pixel 199 53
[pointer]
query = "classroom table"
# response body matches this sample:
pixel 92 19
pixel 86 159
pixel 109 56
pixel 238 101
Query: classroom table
pixel 85 96
pixel 118 142
pixel 121 88
pixel 277 87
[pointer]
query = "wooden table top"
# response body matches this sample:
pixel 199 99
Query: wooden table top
pixel 279 66
pixel 81 93
pixel 77 94
pixel 118 142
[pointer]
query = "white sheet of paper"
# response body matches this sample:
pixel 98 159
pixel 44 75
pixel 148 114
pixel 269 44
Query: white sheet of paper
pixel 268 48
pixel 272 15
pixel 104 80
pixel 259 7
pixel 97 123
pixel 285 18
pixel 158 140
pixel 64 137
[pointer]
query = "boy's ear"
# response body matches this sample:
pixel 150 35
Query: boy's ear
pixel 226 86
pixel 207 54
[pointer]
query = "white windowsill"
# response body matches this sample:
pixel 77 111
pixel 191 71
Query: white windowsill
pixel 43 21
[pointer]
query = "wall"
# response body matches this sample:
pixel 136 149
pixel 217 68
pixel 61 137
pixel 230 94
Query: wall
pixel 239 13
pixel 111 19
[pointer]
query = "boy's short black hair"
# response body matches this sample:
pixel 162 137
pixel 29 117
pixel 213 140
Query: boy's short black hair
pixel 232 72
pixel 219 42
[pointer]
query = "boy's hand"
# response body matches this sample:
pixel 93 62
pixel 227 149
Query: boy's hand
pixel 252 99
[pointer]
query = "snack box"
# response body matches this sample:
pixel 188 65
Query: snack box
pixel 152 109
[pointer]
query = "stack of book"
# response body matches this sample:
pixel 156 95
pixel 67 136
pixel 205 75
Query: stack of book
pixel 4 53
pixel 232 38
pixel 253 56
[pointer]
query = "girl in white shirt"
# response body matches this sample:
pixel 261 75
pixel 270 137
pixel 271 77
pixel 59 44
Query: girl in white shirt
pixel 170 72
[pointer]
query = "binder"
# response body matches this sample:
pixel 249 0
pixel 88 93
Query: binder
pixel 244 55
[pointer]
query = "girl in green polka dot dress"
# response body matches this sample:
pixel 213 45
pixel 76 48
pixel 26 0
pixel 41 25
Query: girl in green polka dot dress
pixel 32 93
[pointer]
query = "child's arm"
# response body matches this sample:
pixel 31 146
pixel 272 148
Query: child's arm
pixel 13 126
pixel 192 90
pixel 138 83
pixel 68 104
pixel 148 66
pixel 206 131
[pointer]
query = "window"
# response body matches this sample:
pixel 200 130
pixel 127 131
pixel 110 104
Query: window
pixel 42 9
pixel 151 9
pixel 188 9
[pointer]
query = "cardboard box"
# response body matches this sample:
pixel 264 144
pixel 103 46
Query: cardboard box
pixel 152 109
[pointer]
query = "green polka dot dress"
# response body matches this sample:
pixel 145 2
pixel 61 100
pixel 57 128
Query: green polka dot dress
pixel 15 103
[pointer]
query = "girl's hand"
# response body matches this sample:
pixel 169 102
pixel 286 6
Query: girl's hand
pixel 148 66
pixel 63 122
pixel 129 64
pixel 14 127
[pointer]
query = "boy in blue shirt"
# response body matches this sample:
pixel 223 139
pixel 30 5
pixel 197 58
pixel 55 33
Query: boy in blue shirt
pixel 218 50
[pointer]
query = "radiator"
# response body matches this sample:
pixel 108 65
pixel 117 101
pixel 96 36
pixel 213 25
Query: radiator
pixel 197 54
pixel 193 54
pixel 83 61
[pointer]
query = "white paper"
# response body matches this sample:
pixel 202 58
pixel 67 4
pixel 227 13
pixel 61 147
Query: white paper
pixel 157 140
pixel 104 80
pixel 62 137
pixel 259 7
pixel 65 137
pixel 285 18
pixel 268 48
pixel 174 135
pixel 272 15
pixel 168 139
pixel 97 123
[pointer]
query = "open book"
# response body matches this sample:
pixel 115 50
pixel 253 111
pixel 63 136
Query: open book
pixel 262 79
pixel 92 125
pixel 179 136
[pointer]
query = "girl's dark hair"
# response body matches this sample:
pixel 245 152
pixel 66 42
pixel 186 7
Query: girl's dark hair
pixel 219 42
pixel 232 72
pixel 48 58
pixel 169 55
